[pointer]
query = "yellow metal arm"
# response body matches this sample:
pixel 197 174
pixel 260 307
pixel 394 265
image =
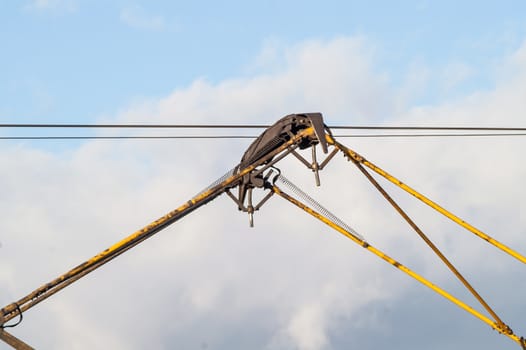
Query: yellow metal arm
pixel 13 341
pixel 504 330
pixel 358 158
pixel 246 175
pixel 14 309
pixel 431 245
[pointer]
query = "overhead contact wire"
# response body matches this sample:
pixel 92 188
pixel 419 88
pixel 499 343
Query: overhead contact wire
pixel 43 292
pixel 250 126
pixel 197 137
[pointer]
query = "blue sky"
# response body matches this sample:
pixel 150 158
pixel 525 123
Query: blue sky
pixel 289 282
pixel 71 61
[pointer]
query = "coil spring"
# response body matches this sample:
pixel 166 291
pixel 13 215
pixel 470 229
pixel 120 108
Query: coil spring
pixel 228 174
pixel 317 206
pixel 272 144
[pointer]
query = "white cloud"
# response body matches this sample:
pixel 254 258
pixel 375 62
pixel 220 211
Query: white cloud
pixel 209 280
pixel 307 328
pixel 137 17
pixel 454 74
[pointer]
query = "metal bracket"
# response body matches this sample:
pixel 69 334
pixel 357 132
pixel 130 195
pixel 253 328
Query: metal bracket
pixel 314 165
pixel 250 208
pixel 316 121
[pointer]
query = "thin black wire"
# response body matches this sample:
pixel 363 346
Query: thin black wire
pixel 248 136
pixel 20 319
pixel 248 126
pixel 429 128
pixel 121 137
pixel 436 135
pixel 138 126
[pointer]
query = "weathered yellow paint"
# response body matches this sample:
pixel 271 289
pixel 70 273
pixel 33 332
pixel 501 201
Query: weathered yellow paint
pixel 431 245
pixel 13 341
pixel 352 154
pixel 12 310
pixel 500 328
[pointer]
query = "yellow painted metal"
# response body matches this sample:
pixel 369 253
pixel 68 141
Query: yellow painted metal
pixel 501 329
pixel 13 341
pixel 352 154
pixel 12 310
pixel 431 245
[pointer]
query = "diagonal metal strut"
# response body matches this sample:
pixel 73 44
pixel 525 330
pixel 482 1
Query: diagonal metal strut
pixel 356 239
pixel 362 160
pixel 16 308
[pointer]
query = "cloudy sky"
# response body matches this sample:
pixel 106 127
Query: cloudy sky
pixel 210 281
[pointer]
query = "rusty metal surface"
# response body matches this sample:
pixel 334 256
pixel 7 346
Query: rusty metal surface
pixel 254 170
pixel 275 136
pixel 16 308
pixel 13 341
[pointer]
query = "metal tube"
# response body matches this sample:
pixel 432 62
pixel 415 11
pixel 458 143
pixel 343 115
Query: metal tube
pixel 43 292
pixel 353 155
pixel 315 166
pixel 396 264
pixel 503 327
pixel 13 341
